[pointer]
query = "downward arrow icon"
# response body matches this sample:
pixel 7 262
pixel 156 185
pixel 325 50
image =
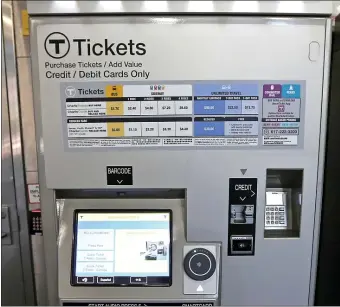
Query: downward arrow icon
pixel 119 181
pixel 243 170
pixel 243 198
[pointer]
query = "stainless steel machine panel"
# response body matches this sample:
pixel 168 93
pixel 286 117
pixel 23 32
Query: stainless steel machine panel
pixel 203 104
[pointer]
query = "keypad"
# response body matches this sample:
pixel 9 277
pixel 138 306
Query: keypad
pixel 37 223
pixel 276 216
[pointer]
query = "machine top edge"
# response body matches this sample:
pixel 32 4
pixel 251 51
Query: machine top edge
pixel 299 8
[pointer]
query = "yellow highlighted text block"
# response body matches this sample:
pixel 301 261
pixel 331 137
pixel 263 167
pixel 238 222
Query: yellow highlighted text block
pixel 115 129
pixel 115 108
pixel 114 91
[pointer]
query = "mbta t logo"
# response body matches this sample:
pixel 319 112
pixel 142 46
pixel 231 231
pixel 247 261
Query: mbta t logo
pixel 57 45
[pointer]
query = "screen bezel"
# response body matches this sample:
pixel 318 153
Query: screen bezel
pixel 73 277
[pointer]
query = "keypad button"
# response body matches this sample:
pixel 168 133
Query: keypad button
pixel 282 209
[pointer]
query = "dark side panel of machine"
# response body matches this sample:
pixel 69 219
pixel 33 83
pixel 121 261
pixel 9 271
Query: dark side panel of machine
pixel 328 284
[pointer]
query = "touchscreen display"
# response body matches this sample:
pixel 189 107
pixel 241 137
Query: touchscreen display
pixel 122 248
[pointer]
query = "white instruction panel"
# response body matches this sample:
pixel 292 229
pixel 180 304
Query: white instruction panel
pixel 129 90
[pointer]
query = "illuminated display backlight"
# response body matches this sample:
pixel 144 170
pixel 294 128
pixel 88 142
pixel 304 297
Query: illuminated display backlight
pixel 122 248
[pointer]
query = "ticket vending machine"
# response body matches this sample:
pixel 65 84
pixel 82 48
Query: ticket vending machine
pixel 180 149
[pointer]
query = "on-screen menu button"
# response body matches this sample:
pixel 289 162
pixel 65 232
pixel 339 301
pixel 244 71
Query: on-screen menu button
pixel 85 280
pixel 138 280
pixel 105 280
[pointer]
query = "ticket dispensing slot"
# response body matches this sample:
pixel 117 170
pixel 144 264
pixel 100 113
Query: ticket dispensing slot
pixel 283 203
pixel 134 245
pixel 121 194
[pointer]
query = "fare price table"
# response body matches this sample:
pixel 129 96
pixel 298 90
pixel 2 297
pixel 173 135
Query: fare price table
pixel 226 99
pixel 133 100
pixel 191 113
pixel 228 110
pixel 130 127
pixel 226 126
pixel 155 110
